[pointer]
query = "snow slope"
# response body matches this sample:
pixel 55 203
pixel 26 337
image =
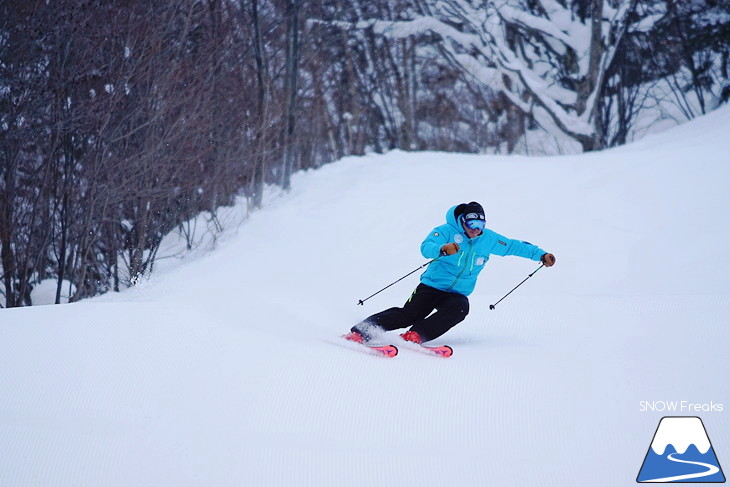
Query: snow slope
pixel 228 370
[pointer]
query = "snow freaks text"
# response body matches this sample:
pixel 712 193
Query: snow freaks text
pixel 680 407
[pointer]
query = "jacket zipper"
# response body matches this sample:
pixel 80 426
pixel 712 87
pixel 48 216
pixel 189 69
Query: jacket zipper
pixel 466 264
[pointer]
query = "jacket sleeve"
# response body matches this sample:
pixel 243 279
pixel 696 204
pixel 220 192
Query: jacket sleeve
pixel 431 246
pixel 507 246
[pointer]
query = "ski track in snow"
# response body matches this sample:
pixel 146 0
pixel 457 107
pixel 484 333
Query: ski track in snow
pixel 229 369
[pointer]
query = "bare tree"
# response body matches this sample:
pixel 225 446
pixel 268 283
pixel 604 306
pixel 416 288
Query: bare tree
pixel 290 89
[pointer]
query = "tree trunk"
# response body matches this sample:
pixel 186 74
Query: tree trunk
pixel 262 100
pixel 290 88
pixel 7 256
pixel 687 54
pixel 591 85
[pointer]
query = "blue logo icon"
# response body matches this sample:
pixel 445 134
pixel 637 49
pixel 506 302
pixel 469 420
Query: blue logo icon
pixel 681 452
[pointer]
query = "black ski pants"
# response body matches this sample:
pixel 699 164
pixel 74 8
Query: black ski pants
pixel 451 308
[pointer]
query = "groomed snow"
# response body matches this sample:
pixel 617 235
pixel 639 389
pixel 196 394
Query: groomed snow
pixel 227 370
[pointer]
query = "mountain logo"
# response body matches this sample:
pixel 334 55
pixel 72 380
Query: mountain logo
pixel 681 452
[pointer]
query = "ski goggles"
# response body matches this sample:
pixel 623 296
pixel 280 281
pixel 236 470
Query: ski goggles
pixel 475 221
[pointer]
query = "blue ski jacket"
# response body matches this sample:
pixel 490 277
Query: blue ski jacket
pixel 458 273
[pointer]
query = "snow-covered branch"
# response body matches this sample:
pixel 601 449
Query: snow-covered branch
pixel 553 59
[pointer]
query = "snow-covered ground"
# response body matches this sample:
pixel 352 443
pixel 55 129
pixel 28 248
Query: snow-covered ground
pixel 227 370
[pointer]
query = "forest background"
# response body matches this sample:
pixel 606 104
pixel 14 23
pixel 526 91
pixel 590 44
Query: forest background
pixel 123 121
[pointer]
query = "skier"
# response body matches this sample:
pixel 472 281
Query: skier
pixel 460 248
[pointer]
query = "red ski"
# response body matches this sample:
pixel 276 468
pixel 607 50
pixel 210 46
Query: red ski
pixel 413 341
pixel 441 351
pixel 389 351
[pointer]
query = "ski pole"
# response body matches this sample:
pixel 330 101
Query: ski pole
pixel 360 302
pixel 491 306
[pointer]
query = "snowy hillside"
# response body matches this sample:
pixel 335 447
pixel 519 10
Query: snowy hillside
pixel 228 370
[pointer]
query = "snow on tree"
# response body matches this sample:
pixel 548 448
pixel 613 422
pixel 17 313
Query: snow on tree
pixel 549 57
